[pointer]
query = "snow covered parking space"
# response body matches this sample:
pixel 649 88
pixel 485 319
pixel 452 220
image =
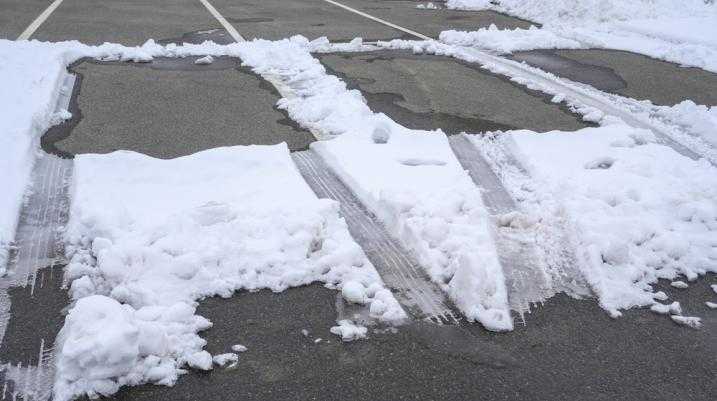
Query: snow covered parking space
pixel 635 211
pixel 148 238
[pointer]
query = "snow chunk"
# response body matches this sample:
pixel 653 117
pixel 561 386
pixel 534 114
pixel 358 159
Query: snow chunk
pixel 239 348
pixel 711 305
pixel 354 292
pixel 200 360
pixel 348 331
pixel 206 60
pixel 224 359
pixel 679 284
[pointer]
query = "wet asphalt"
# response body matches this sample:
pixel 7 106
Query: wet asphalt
pixel 566 350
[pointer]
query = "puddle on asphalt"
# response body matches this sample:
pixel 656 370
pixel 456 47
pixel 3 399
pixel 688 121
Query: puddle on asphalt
pixel 603 78
pixel 249 20
pixel 627 74
pixel 219 36
pixel 394 83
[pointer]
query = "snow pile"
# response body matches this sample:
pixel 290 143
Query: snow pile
pixel 508 41
pixel 30 82
pixel 149 237
pixel 636 211
pixel 684 32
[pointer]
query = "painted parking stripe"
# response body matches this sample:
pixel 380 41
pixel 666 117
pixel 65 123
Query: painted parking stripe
pixel 379 20
pixel 229 28
pixel 25 35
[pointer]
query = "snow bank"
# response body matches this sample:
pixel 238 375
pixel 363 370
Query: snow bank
pixel 636 211
pixel 147 238
pixel 508 40
pixel 30 82
pixel 683 32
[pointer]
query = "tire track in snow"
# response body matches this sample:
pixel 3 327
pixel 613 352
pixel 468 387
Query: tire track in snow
pixel 526 280
pixel 412 288
pixel 38 245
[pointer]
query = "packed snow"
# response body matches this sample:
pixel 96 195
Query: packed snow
pixel 636 210
pixel 683 32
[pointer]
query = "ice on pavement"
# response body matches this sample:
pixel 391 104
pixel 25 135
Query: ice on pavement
pixel 683 32
pixel 147 238
pixel 636 210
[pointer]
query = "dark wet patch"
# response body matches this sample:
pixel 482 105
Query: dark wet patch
pixel 35 317
pixel 603 78
pixel 216 35
pixel 61 131
pixel 320 24
pixel 219 63
pixel 457 17
pixel 389 103
pixel 249 20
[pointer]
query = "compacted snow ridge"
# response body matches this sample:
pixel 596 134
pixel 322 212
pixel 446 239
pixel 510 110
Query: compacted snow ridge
pixel 148 238
pixel 684 32
pixel 508 41
pixel 635 211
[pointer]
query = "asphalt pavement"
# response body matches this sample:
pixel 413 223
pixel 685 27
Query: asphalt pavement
pixel 566 349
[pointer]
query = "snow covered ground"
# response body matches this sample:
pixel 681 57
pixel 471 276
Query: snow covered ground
pixel 636 211
pixel 148 238
pixel 684 32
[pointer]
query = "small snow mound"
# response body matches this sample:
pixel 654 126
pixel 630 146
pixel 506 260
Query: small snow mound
pixel 711 305
pixel 206 60
pixel 348 331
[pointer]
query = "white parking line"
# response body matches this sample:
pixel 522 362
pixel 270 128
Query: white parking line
pixel 379 20
pixel 25 35
pixel 233 32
